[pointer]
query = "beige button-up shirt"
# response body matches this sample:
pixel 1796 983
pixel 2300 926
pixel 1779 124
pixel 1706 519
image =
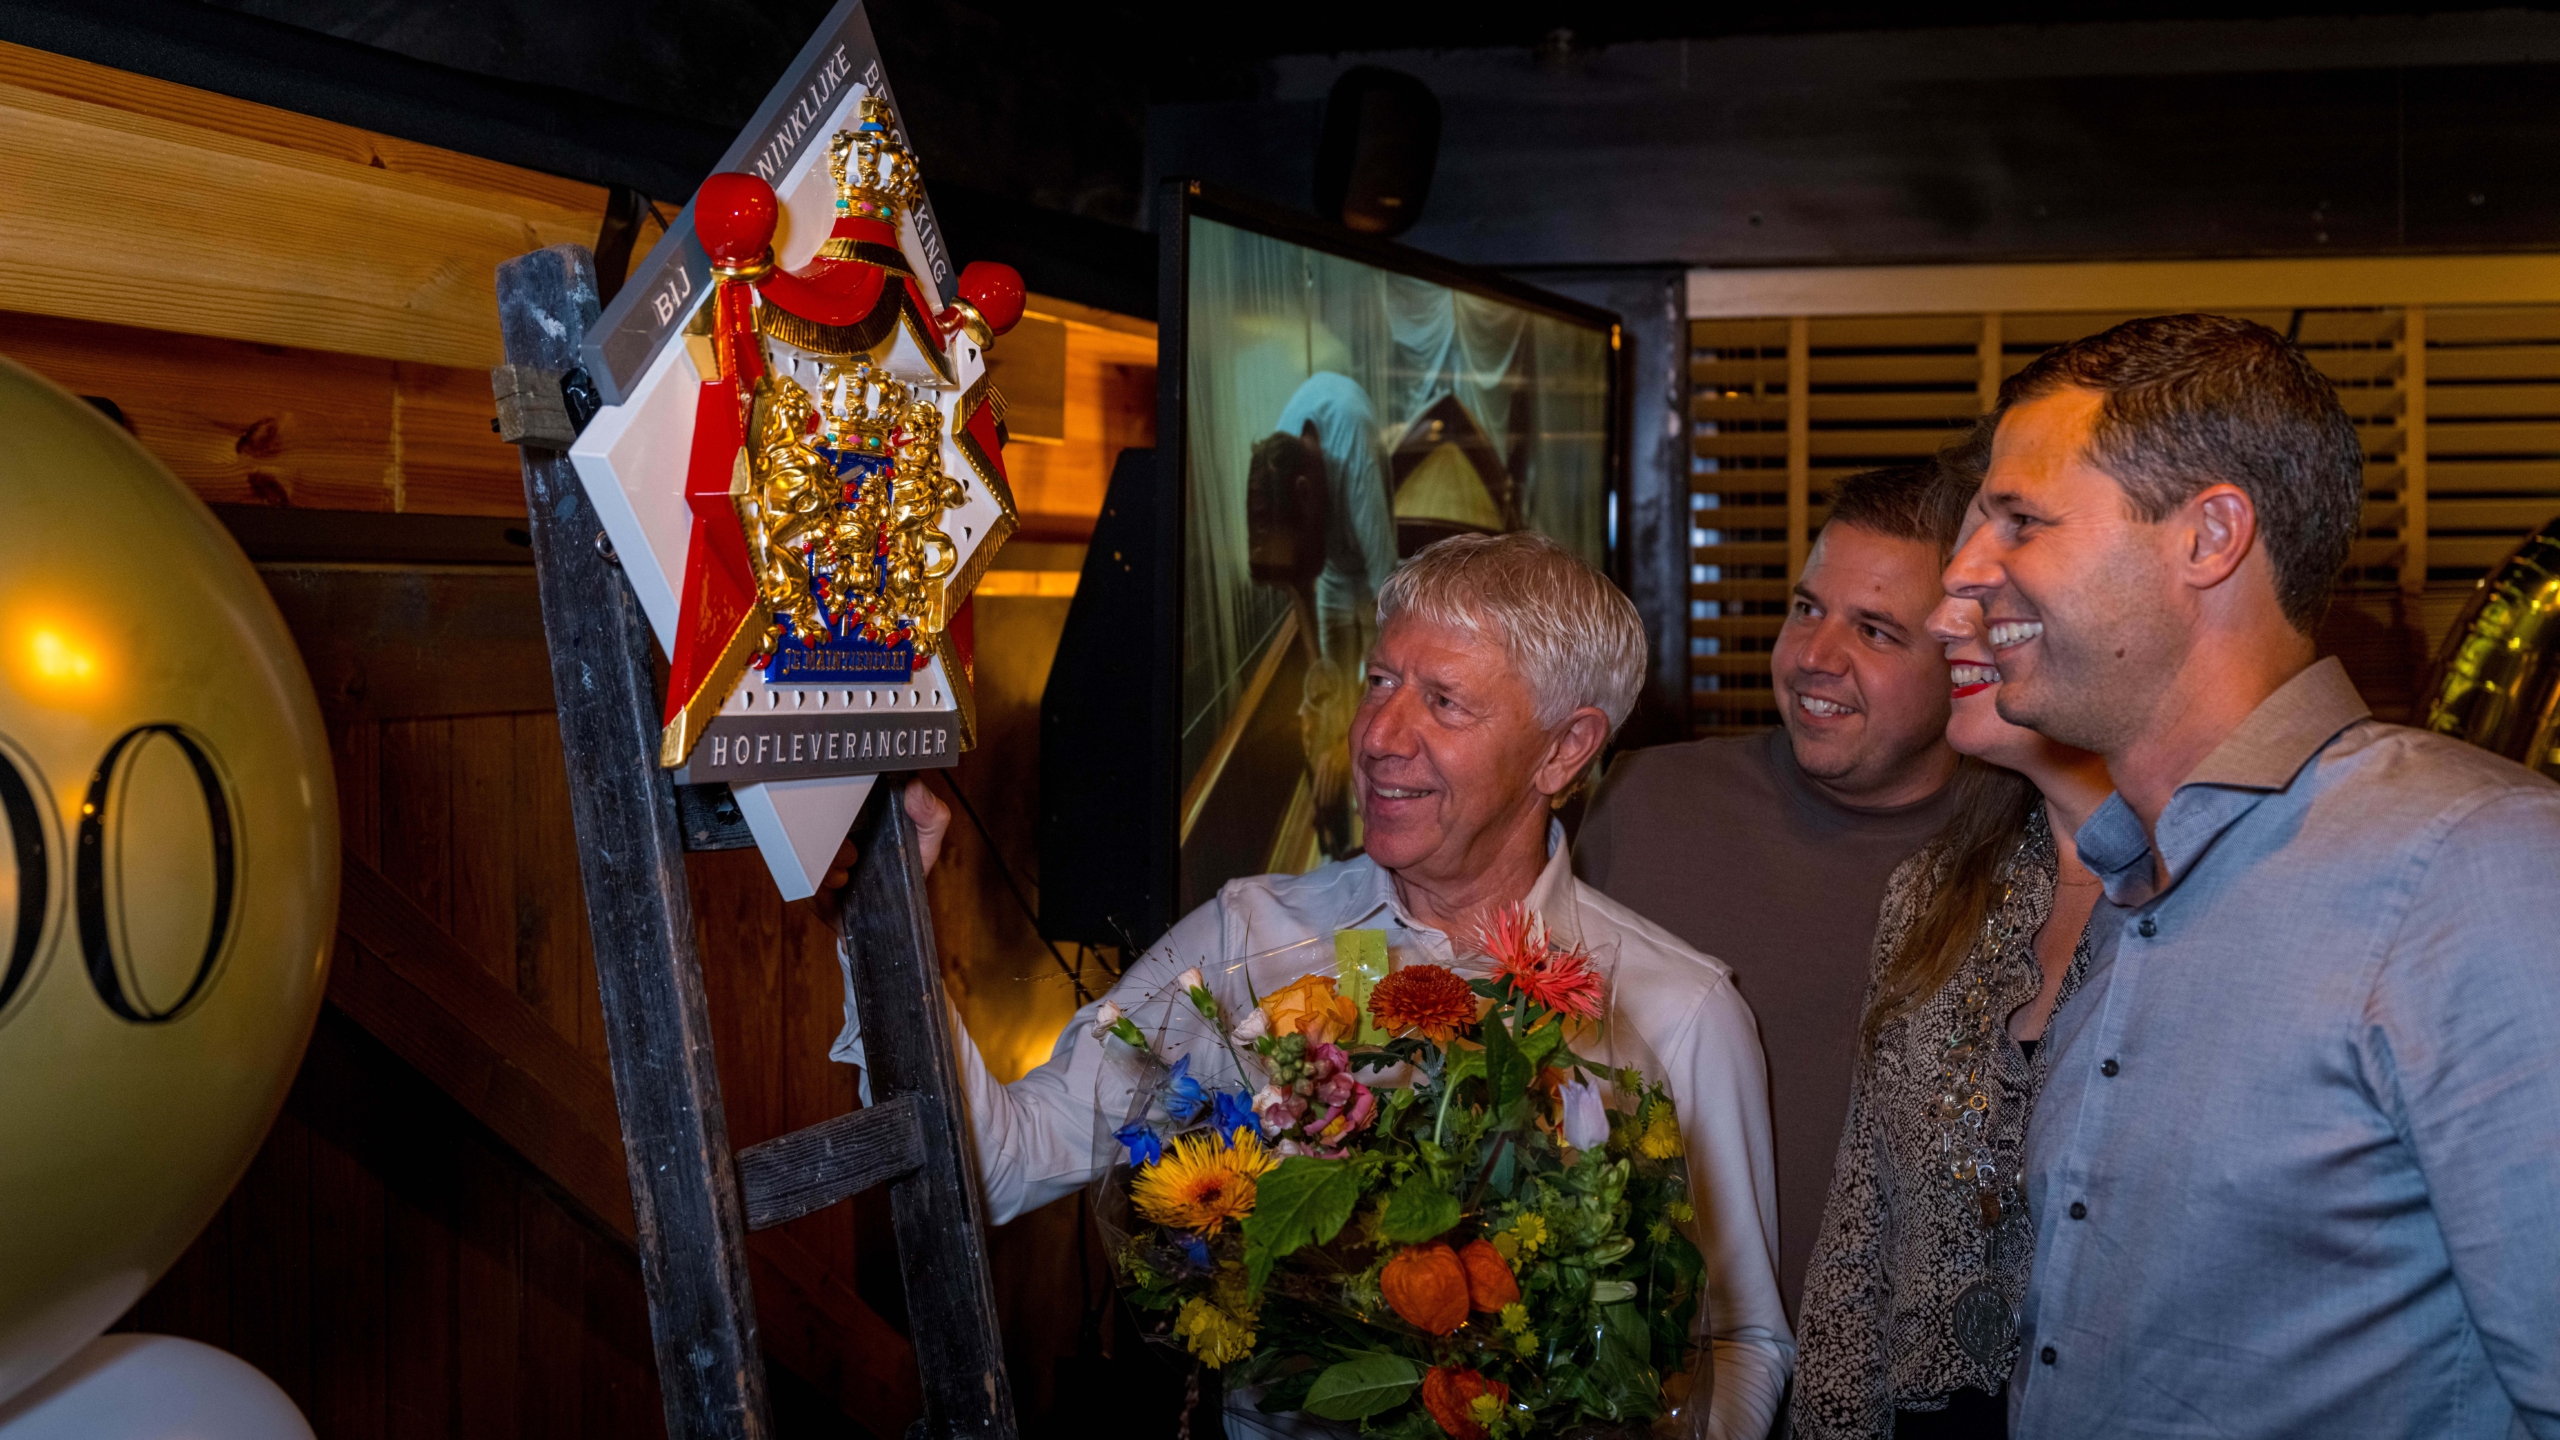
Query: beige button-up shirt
pixel 1674 1014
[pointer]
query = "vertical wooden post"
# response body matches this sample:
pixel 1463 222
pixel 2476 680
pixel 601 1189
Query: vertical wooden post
pixel 2413 450
pixel 684 1185
pixel 936 1210
pixel 1990 354
pixel 1799 444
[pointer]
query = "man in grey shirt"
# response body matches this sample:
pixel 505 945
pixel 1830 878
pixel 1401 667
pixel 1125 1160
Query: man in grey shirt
pixel 1771 852
pixel 2295 1168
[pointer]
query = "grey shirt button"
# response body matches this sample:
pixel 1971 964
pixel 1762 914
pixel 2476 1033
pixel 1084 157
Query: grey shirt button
pixel 2079 1211
pixel 2107 1067
pixel 2149 927
pixel 2046 1355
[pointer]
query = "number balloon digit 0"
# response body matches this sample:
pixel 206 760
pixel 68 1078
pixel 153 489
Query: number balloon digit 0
pixel 111 974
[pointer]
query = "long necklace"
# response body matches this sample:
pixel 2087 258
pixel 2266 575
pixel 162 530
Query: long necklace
pixel 1984 1324
pixel 1965 1070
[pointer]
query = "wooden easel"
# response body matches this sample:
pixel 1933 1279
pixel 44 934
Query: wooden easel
pixel 695 1200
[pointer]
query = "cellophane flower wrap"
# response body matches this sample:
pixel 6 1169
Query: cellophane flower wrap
pixel 1403 1203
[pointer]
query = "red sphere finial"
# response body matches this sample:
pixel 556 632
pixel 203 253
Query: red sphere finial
pixel 734 216
pixel 996 291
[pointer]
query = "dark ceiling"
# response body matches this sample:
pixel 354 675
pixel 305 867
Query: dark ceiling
pixel 1028 113
pixel 1321 27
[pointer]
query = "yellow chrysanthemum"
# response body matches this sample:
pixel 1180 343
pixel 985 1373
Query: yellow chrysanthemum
pixel 1484 1410
pixel 1216 1335
pixel 1529 1233
pixel 1202 1182
pixel 1661 1135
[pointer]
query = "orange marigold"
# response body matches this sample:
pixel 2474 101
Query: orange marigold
pixel 1450 1396
pixel 1426 1000
pixel 1561 978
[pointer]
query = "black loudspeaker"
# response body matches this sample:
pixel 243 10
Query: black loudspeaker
pixel 1110 746
pixel 1381 140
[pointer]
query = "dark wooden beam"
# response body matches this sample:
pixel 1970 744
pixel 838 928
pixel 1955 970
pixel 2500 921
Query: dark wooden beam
pixel 940 1219
pixel 692 1232
pixel 810 1169
pixel 711 819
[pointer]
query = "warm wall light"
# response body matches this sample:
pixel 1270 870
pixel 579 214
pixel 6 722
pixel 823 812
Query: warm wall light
pixel 51 656
pixel 58 659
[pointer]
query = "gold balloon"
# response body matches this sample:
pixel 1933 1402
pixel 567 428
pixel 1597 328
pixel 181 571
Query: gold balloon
pixel 2497 677
pixel 169 878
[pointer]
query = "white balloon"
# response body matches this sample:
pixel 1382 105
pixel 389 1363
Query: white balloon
pixel 153 1387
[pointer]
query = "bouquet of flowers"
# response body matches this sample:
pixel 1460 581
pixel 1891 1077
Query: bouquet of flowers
pixel 1412 1207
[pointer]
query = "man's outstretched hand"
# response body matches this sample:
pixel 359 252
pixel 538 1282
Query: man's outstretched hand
pixel 932 819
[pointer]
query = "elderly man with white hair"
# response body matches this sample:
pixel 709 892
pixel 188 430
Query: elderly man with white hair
pixel 1501 667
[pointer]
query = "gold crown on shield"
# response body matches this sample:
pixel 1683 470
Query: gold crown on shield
pixel 875 173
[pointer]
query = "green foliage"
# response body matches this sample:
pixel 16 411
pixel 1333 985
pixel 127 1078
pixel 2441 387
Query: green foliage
pixel 1287 1392
pixel 1506 1070
pixel 1418 1211
pixel 1302 1202
pixel 1541 1044
pixel 1619 1376
pixel 1362 1386
pixel 1413 1424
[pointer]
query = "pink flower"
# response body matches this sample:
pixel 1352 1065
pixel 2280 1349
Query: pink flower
pixel 1280 1110
pixel 1364 1107
pixel 1340 1122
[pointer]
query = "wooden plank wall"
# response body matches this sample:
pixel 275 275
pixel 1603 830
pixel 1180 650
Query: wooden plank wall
pixel 146 203
pixel 1109 399
pixel 293 313
pixel 401 1275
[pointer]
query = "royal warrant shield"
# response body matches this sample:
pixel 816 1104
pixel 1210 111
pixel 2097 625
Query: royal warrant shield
pixel 799 461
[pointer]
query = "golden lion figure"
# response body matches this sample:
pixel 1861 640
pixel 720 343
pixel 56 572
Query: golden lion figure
pixel 916 550
pixel 791 488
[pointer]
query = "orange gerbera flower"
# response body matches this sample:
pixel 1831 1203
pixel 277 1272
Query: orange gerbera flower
pixel 1425 1000
pixel 1561 978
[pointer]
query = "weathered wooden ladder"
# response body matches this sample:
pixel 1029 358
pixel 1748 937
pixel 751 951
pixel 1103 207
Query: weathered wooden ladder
pixel 694 1199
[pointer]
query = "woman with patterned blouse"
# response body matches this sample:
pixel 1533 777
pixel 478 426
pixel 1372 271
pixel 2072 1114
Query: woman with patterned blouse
pixel 1909 1320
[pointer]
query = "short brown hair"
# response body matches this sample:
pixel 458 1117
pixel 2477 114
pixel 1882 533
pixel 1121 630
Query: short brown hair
pixel 1899 502
pixel 2197 400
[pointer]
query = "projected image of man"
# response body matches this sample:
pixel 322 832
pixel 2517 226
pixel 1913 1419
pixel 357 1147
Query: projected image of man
pixel 1317 505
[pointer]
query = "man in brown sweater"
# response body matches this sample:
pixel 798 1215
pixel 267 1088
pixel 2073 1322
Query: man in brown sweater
pixel 1770 852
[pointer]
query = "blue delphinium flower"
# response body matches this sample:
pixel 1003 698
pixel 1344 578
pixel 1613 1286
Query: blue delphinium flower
pixel 1196 1250
pixel 1235 1112
pixel 1145 1148
pixel 1184 1097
